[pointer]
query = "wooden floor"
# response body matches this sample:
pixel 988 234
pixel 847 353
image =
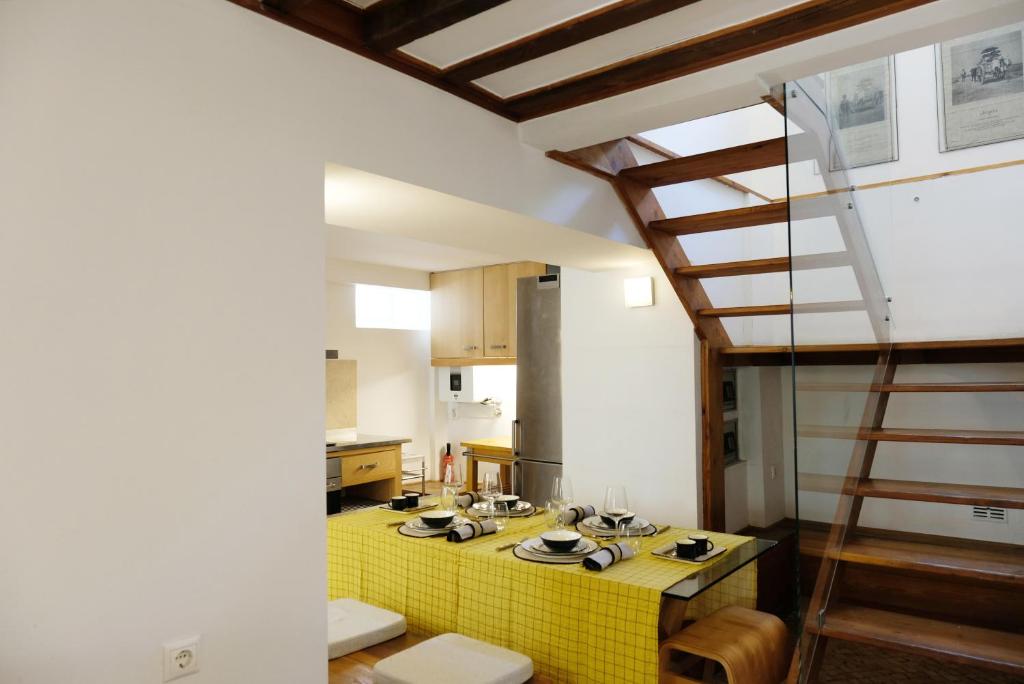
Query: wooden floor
pixel 357 668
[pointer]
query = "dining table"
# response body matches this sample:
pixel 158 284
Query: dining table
pixel 577 625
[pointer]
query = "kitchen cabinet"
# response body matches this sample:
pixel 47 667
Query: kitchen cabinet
pixel 500 305
pixel 473 313
pixel 371 472
pixel 456 308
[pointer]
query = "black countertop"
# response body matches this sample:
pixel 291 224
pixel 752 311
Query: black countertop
pixel 364 441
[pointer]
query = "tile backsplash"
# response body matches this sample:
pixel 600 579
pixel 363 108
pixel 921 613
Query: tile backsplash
pixel 341 394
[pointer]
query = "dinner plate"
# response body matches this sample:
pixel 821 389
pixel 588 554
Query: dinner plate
pixel 584 547
pixel 607 533
pixel 523 509
pixel 594 522
pixel 523 553
pixel 668 551
pixel 421 526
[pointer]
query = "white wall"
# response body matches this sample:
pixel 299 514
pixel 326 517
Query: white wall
pixel 630 411
pixel 460 421
pixel 162 280
pixel 393 374
pixel 944 248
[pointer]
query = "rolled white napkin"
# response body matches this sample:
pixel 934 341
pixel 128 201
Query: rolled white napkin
pixel 467 499
pixel 609 555
pixel 471 530
pixel 578 513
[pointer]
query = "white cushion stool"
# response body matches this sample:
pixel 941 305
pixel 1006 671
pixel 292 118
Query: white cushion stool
pixel 353 625
pixel 453 659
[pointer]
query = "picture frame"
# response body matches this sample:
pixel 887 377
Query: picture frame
pixel 861 107
pixel 980 88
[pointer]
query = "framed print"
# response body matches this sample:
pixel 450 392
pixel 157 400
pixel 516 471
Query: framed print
pixel 981 88
pixel 861 103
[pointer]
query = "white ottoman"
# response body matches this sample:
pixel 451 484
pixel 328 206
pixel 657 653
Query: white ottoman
pixel 353 625
pixel 454 659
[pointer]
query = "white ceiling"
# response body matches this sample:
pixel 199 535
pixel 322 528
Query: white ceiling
pixel 380 220
pixel 503 24
pixel 516 19
pixel 743 82
pixel 667 29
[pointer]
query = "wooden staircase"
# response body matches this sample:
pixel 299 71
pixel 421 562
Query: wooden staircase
pixel 616 163
pixel 831 616
pixel 914 629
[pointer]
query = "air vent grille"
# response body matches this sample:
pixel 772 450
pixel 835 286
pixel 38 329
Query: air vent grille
pixel 990 513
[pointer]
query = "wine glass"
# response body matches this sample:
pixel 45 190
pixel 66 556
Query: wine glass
pixel 499 513
pixel 561 490
pixel 616 503
pixel 631 535
pixel 447 499
pixel 451 485
pixel 452 475
pixel 553 514
pixel 561 495
pixel 492 487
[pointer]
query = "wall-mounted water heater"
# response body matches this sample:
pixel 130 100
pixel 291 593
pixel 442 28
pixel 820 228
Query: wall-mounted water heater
pixel 455 383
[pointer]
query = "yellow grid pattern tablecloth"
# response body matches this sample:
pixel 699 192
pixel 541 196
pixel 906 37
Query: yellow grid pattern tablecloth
pixel 576 625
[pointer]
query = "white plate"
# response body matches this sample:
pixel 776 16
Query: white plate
pixel 584 547
pixel 523 510
pixel 594 522
pixel 418 524
pixel 520 506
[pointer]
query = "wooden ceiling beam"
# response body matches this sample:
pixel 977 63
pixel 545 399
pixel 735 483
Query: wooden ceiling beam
pixel 786 27
pixel 342 25
pixel 390 24
pixel 571 32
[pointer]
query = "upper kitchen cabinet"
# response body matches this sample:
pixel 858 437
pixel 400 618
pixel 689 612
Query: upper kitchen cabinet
pixel 473 313
pixel 500 305
pixel 456 314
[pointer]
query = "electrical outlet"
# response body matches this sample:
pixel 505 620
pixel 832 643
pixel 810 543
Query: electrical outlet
pixel 181 658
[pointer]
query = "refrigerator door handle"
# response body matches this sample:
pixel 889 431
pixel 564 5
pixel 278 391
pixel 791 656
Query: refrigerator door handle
pixel 517 437
pixel 517 479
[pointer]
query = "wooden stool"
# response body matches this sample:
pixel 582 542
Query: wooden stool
pixel 750 645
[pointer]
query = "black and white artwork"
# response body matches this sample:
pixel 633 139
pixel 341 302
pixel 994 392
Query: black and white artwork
pixel 981 88
pixel 861 101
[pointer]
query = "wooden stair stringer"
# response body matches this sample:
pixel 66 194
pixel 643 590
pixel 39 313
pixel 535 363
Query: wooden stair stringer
pixel 847 515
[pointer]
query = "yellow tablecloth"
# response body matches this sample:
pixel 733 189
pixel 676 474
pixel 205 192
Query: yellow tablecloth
pixel 576 625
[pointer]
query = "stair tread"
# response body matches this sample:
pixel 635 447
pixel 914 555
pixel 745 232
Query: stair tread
pixel 930 435
pixel 756 155
pixel 768 265
pixel 963 644
pixel 744 217
pixel 781 309
pixel 911 490
pixel 983 564
pixel 998 386
pixel 943 492
pixel 1007 386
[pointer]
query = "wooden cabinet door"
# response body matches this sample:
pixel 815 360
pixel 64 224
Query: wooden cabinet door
pixel 456 314
pixel 497 329
pixel 515 271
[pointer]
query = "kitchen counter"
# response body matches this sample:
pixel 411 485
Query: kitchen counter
pixel 364 441
pixel 493 445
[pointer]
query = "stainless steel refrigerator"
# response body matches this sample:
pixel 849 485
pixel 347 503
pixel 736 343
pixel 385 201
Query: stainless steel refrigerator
pixel 537 430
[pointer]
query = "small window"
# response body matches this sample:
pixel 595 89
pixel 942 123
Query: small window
pixel 395 308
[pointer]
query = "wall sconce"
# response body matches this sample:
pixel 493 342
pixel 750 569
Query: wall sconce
pixel 639 291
